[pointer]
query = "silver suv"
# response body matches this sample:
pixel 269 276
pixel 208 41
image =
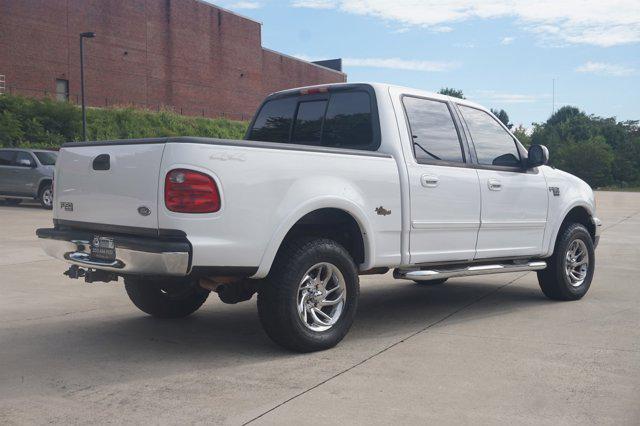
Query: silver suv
pixel 27 174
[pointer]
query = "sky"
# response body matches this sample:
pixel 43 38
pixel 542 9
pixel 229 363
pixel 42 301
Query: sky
pixel 501 53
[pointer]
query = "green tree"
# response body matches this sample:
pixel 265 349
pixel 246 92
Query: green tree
pixel 502 116
pixel 450 91
pixel 521 133
pixel 591 160
pixel 11 133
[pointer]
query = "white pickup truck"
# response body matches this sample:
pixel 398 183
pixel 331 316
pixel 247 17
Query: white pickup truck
pixel 332 182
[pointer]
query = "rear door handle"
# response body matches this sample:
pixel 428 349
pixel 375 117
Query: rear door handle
pixel 429 181
pixel 494 184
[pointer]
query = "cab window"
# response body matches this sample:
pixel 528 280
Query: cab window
pixel 493 144
pixel 433 132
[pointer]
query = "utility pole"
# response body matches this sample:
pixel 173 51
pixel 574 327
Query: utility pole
pixel 89 34
pixel 553 97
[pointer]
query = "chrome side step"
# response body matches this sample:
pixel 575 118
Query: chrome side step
pixel 436 274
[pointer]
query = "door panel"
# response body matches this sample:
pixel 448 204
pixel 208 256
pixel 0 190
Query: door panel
pixel 514 201
pixel 514 213
pixel 445 213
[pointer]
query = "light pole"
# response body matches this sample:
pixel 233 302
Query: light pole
pixel 89 34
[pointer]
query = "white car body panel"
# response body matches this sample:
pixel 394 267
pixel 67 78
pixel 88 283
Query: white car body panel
pixel 514 216
pixel 266 190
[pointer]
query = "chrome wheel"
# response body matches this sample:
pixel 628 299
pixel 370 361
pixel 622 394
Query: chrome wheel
pixel 322 294
pixel 576 262
pixel 47 197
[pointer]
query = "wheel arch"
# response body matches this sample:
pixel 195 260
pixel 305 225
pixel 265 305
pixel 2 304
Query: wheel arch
pixel 325 217
pixel 43 182
pixel 577 213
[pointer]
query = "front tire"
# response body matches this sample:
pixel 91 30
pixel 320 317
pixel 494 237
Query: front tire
pixel 309 300
pixel 46 197
pixel 570 269
pixel 167 298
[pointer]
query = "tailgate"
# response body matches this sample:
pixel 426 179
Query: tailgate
pixel 109 184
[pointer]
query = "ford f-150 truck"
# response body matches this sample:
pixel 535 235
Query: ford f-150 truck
pixel 331 182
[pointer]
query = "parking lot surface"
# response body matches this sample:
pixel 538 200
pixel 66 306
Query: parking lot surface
pixel 488 349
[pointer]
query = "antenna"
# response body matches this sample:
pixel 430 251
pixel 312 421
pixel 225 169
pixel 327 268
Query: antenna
pixel 553 97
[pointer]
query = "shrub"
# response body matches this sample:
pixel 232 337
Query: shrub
pixel 47 123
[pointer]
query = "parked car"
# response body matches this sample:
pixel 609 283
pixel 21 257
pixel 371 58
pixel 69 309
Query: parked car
pixel 27 174
pixel 332 182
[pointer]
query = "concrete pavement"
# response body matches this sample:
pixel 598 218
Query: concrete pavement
pixel 489 350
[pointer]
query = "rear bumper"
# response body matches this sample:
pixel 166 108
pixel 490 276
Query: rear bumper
pixel 134 255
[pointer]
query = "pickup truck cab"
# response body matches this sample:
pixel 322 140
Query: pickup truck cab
pixel 331 182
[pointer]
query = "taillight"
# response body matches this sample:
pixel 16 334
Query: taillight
pixel 188 191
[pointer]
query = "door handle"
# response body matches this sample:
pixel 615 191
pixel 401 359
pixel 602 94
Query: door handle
pixel 494 184
pixel 429 181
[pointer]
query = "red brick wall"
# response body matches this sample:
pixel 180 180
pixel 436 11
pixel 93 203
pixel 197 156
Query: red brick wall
pixel 185 54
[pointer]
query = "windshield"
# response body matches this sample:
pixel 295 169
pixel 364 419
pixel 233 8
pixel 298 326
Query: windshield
pixel 46 158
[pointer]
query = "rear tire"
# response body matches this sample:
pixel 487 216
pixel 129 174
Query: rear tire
pixel 168 298
pixel 429 283
pixel 567 277
pixel 309 300
pixel 46 196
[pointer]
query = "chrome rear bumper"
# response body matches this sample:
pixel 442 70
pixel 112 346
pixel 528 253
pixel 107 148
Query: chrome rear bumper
pixel 134 255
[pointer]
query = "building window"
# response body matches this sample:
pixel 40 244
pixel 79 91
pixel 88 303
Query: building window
pixel 62 90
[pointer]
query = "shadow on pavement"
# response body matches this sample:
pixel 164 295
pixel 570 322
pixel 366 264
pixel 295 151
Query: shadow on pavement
pixel 232 334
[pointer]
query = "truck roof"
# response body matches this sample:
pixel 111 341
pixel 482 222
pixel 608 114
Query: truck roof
pixel 384 87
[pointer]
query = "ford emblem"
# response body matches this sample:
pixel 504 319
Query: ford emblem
pixel 144 211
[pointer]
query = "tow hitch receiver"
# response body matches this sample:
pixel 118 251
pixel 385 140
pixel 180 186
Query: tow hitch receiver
pixel 90 275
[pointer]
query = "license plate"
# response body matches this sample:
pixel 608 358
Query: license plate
pixel 103 248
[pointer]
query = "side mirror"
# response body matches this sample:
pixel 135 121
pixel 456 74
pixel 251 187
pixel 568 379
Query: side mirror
pixel 538 156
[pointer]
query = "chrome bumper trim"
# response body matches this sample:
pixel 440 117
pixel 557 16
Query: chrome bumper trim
pixel 127 261
pixel 436 274
pixel 598 225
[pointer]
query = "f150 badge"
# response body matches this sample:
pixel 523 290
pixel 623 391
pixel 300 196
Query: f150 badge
pixel 66 206
pixel 555 190
pixel 381 211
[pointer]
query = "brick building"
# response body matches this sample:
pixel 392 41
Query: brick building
pixel 187 54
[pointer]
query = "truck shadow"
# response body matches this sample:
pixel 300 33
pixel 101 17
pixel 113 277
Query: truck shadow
pixel 222 336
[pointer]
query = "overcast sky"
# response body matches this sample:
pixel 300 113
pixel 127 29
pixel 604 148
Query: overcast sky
pixel 502 54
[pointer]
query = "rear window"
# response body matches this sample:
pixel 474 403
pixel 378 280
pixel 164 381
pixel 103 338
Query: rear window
pixel 6 158
pixel 341 119
pixel 46 158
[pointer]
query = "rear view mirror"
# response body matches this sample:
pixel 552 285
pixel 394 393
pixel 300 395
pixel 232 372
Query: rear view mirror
pixel 538 156
pixel 23 162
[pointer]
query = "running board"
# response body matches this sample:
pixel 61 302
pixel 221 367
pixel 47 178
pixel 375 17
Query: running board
pixel 436 274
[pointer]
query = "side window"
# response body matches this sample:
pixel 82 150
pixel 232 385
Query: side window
pixel 274 121
pixel 6 158
pixel 494 145
pixel 349 122
pixel 308 126
pixel 24 159
pixel 432 129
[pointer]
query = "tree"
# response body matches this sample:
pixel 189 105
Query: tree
pixel 521 133
pixel 450 91
pixel 602 151
pixel 590 160
pixel 502 116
